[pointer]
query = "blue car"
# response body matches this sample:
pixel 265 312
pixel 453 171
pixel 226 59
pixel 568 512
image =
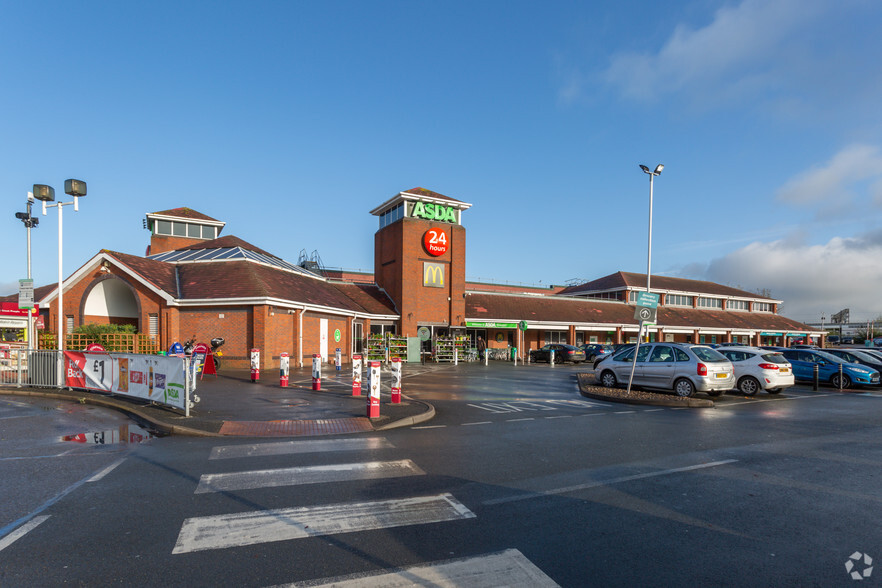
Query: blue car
pixel 805 360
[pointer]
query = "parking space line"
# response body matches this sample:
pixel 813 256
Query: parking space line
pixel 516 420
pixel 21 531
pixel 480 423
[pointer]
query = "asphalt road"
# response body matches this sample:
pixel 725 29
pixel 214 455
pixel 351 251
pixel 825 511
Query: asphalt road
pixel 518 480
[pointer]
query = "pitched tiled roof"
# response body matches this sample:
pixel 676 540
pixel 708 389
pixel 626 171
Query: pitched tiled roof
pixel 659 283
pixel 429 194
pixel 369 296
pixel 244 279
pixel 553 309
pixel 158 273
pixel 185 212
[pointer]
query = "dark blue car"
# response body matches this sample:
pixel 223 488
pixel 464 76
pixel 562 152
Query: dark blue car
pixel 805 360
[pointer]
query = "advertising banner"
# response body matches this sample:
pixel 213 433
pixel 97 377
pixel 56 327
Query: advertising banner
pixel 149 377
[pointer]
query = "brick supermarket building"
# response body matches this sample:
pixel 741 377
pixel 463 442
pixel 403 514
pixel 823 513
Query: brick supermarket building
pixel 195 282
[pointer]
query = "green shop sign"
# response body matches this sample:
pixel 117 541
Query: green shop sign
pixel 486 325
pixel 437 212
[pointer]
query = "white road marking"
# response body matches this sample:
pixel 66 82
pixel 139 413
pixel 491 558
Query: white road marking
pixel 431 427
pixel 597 483
pixel 518 420
pixel 296 476
pixel 506 568
pixel 106 470
pixel 480 423
pixel 306 446
pixel 21 531
pixel 251 528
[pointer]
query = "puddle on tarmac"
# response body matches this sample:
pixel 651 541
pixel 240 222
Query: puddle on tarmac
pixel 128 433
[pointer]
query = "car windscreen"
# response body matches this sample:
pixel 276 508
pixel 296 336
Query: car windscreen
pixel 829 357
pixel 864 356
pixel 708 354
pixel 775 358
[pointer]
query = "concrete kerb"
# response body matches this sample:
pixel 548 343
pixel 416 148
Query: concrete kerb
pixel 587 389
pixel 173 429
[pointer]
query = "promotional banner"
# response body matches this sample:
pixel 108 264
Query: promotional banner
pixel 150 377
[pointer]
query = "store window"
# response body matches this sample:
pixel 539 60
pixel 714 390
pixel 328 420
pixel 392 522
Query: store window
pixel 555 337
pixel 678 300
pixel 737 305
pixel 153 326
pixel 762 307
pixel 68 324
pixel 704 302
pixel 183 229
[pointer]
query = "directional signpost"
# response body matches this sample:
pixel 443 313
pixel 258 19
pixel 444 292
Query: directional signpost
pixel 647 307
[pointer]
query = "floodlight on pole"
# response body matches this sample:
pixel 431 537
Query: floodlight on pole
pixel 77 189
pixel 652 174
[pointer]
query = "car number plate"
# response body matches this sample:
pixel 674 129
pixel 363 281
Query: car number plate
pixel 722 375
pixel 784 370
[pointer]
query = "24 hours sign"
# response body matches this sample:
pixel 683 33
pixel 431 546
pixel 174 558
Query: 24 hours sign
pixel 436 241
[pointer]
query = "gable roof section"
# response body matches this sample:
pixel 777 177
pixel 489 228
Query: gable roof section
pixel 623 280
pixel 184 212
pixel 551 309
pixel 158 273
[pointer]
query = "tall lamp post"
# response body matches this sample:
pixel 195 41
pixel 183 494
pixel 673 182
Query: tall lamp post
pixel 44 193
pixel 30 222
pixel 652 174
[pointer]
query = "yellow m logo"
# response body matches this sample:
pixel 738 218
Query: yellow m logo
pixel 433 274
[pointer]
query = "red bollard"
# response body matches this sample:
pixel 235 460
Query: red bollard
pixel 373 405
pixel 255 365
pixel 356 375
pixel 283 370
pixel 316 372
pixel 396 381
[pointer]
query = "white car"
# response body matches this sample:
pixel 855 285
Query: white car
pixel 759 369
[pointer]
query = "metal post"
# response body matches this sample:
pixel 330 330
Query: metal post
pixel 634 363
pixel 815 378
pixel 60 306
pixel 840 377
pixel 551 355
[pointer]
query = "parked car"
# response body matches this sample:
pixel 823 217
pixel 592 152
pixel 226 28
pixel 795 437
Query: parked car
pixel 759 369
pixel 858 356
pixel 833 339
pixel 595 350
pixel 847 340
pixel 805 360
pixel 562 353
pixel 877 342
pixel 682 367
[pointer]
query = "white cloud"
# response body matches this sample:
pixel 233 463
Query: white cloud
pixel 810 279
pixel 836 178
pixel 732 50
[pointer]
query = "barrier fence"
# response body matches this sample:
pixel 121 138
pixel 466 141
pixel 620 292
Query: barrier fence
pixel 165 380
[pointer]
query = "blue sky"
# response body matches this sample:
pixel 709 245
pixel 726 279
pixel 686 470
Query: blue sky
pixel 291 120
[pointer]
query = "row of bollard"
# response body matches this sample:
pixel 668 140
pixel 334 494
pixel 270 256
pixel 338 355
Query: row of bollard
pixel 373 404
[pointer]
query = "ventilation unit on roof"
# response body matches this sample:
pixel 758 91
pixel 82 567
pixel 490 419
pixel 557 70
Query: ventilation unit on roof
pixel 311 262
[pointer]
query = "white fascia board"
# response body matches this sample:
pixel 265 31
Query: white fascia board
pixel 402 196
pixel 92 265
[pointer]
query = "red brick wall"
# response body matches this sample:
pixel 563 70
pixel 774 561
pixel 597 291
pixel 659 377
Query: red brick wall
pixel 399 256
pixel 163 243
pixel 231 323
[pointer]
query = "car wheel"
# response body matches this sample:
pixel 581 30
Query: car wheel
pixel 684 388
pixel 774 391
pixel 748 386
pixel 846 381
pixel 608 380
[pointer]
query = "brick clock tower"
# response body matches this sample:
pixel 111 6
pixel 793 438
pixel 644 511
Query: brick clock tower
pixel 419 259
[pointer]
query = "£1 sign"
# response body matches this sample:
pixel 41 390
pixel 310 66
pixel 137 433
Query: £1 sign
pixel 435 241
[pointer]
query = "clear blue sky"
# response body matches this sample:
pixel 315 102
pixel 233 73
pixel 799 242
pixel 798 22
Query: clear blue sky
pixel 292 120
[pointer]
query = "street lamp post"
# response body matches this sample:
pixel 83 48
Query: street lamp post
pixel 75 188
pixel 29 223
pixel 652 174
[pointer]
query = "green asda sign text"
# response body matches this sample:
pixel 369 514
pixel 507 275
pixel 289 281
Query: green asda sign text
pixel 437 212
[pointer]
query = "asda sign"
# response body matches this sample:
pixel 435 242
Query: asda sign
pixel 433 212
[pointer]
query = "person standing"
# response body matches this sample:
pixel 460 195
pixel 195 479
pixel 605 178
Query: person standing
pixel 482 348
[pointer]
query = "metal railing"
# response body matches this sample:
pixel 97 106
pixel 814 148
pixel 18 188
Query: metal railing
pixel 20 367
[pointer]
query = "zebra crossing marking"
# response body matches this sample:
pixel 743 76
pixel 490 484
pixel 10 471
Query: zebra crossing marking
pixel 295 476
pixel 251 528
pixel 292 447
pixel 505 568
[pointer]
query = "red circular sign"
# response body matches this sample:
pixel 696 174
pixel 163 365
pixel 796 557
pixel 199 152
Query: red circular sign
pixel 435 241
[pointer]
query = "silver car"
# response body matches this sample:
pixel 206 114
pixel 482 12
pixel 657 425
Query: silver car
pixel 681 367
